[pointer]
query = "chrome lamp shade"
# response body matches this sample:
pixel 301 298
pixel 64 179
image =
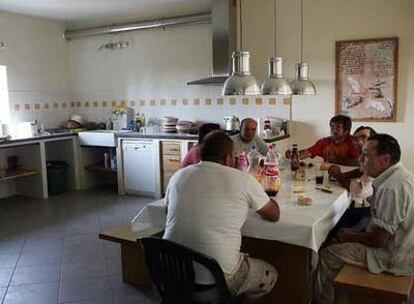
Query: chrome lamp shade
pixel 301 85
pixel 241 81
pixel 276 84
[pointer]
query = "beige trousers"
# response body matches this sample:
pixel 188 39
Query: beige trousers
pixel 331 260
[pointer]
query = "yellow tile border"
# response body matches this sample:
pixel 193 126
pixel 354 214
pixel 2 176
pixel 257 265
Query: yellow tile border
pixel 220 101
pixel 207 101
pixel 132 103
pixel 152 103
pixel 173 102
pixel 104 103
pixel 142 103
pixel 272 101
pixel 232 101
pixel 163 102
pixel 113 103
pixel 196 101
pixel 245 101
pixel 259 101
pixel 95 104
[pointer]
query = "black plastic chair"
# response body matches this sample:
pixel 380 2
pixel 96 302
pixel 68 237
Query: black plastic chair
pixel 171 267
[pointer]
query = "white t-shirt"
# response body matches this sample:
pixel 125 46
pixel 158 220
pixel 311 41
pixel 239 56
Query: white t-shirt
pixel 207 207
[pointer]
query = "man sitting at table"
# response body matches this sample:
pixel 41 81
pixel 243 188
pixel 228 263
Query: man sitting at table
pixel 207 206
pixel 360 185
pixel 337 148
pixel 247 138
pixel 387 244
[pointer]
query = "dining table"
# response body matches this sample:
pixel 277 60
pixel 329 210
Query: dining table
pixel 292 243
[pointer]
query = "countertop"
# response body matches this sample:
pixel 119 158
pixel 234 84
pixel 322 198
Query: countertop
pixel 158 135
pixel 163 135
pixel 30 139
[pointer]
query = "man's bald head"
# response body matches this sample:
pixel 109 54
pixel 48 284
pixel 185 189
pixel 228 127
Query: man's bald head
pixel 248 128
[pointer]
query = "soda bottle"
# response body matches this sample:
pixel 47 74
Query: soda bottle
pixel 294 165
pixel 271 173
pixel 253 158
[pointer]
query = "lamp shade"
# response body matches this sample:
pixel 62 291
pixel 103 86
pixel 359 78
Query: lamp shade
pixel 276 84
pixel 301 85
pixel 241 81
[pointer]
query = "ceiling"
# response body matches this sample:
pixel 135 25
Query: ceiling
pixel 86 13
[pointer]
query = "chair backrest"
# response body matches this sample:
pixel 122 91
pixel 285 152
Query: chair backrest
pixel 172 271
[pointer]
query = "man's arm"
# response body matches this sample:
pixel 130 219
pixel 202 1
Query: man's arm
pixel 270 211
pixel 304 154
pixel 344 179
pixel 378 237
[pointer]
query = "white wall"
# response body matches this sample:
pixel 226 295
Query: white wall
pixel 156 66
pixel 36 56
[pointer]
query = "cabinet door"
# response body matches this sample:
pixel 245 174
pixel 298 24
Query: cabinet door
pixel 171 148
pixel 171 162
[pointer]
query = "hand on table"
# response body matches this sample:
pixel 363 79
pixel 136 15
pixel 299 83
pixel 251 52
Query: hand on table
pixel 334 171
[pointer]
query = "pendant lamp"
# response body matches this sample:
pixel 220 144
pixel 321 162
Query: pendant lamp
pixel 301 85
pixel 275 84
pixel 241 81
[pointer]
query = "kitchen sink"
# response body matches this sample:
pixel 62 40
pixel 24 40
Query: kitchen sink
pixel 97 138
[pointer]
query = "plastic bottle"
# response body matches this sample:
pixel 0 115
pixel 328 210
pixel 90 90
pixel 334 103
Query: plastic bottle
pixel 271 174
pixel 253 158
pixel 294 165
pixel 242 162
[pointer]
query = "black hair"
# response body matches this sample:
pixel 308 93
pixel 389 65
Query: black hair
pixel 371 130
pixel 216 146
pixel 344 120
pixel 205 129
pixel 387 145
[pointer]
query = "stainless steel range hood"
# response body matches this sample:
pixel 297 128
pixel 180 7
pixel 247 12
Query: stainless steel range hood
pixel 223 24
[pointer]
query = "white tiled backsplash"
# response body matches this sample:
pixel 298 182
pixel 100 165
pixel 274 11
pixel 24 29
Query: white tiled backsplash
pixel 55 108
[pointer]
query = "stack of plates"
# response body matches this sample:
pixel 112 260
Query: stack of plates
pixel 169 124
pixel 184 126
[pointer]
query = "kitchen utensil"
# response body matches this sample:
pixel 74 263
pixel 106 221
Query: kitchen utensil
pixel 232 123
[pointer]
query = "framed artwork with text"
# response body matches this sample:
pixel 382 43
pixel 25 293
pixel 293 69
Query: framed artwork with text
pixel 366 79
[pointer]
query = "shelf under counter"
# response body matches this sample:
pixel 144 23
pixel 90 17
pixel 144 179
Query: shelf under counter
pixel 17 174
pixel 100 168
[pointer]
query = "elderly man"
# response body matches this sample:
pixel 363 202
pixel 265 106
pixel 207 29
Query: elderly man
pixel 208 216
pixel 247 138
pixel 387 244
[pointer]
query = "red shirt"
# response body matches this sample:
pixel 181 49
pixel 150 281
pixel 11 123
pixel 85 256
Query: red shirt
pixel 192 157
pixel 342 151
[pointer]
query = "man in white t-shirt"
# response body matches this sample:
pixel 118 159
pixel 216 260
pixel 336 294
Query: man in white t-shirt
pixel 207 206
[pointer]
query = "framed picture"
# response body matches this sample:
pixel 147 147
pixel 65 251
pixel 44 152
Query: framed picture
pixel 366 79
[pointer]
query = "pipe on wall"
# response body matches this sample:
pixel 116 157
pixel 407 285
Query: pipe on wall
pixel 136 26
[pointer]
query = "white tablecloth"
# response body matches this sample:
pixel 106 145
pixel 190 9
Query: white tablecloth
pixel 305 226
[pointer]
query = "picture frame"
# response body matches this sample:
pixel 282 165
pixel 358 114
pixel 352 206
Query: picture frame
pixel 366 75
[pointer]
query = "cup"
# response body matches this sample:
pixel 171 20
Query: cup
pixel 319 176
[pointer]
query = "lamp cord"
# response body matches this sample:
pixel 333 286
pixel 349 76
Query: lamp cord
pixel 274 22
pixel 301 30
pixel 241 25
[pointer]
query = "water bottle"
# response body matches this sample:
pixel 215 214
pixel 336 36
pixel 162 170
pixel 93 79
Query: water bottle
pixel 242 162
pixel 271 174
pixel 253 158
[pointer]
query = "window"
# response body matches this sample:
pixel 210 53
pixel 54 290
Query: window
pixel 4 95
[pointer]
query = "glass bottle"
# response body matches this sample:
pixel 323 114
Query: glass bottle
pixel 294 165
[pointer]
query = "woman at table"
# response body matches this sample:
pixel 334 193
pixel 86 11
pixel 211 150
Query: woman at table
pixel 193 156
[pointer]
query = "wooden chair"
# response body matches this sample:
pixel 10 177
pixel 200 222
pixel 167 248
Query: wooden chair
pixel 358 285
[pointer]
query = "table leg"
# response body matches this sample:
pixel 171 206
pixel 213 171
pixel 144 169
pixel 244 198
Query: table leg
pixel 134 269
pixel 293 264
